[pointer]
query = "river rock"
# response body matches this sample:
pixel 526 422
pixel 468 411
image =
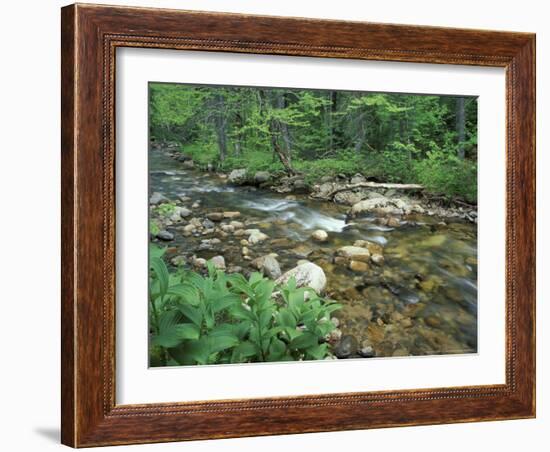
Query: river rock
pixel 165 235
pixel 189 164
pixel 374 248
pixel 377 259
pixel 262 177
pixel 219 262
pixel 208 224
pixel 302 250
pixel 215 216
pixel 393 222
pixel 408 296
pixel 358 179
pixel 319 235
pixel 268 265
pixel 157 198
pixel 237 176
pixel 355 253
pixel 256 236
pixel 368 205
pixel 231 215
pixel 183 212
pixel 348 198
pixel 334 336
pixel 346 348
pixel 228 228
pixel 299 185
pixel 306 275
pixel 358 266
pixel 237 224
pixel 189 228
pixel 366 351
pixel 198 262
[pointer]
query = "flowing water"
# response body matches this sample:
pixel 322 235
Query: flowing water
pixel 422 300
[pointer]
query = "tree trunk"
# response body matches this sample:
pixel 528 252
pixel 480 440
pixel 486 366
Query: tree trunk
pixel 283 157
pixel 278 128
pixel 460 126
pixel 220 126
pixel 283 127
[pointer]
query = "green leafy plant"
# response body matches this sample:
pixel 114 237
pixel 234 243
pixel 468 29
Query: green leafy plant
pixel 166 208
pixel 221 318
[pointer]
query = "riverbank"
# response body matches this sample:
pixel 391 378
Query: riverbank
pixel 407 281
pixel 364 197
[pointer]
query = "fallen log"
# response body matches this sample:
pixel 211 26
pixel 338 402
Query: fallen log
pixel 349 187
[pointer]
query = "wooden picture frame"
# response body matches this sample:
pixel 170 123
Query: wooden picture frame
pixel 90 36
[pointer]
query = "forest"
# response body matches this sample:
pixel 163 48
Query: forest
pixel 402 138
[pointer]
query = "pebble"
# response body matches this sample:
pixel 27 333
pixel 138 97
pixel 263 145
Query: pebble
pixel 165 235
pixel 319 235
pixel 346 348
pixel 358 266
pixel 219 262
pixel 367 352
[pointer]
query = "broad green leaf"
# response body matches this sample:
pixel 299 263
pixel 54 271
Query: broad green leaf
pixel 198 350
pixel 244 350
pixel 159 267
pixel 187 292
pixel 193 314
pixel 156 251
pixel 221 303
pixel 276 349
pixel 222 342
pixel 239 312
pixel 304 340
pixel 286 318
pixel 317 351
pixel 187 331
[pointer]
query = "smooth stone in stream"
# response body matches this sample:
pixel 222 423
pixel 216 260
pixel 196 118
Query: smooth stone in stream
pixel 215 216
pixel 165 235
pixel 183 212
pixel 409 297
pixel 208 224
pixel 261 177
pixel 307 274
pixel 355 253
pixel 268 265
pixel 157 198
pixel 237 176
pixel 366 351
pixel 231 215
pixel 393 222
pixel 358 266
pixel 377 259
pixel 319 235
pixel 219 262
pixel 302 251
pixel 236 224
pixel 368 205
pixel 256 236
pixel 346 347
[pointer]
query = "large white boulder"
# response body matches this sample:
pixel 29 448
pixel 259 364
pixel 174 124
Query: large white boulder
pixel 307 274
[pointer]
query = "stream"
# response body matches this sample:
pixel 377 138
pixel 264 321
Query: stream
pixel 421 300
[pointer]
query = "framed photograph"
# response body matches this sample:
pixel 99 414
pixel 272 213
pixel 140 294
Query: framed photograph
pixel 282 225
